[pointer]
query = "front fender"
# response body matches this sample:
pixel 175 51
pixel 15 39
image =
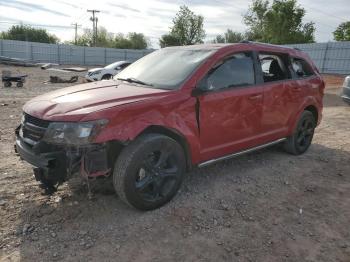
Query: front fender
pixel 174 114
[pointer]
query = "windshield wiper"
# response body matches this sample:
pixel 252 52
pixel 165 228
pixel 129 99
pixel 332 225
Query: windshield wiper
pixel 134 80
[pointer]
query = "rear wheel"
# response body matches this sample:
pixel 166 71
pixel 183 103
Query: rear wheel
pixel 19 84
pixel 149 172
pixel 301 139
pixel 7 84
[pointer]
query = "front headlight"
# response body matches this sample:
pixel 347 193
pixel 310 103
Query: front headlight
pixel 69 133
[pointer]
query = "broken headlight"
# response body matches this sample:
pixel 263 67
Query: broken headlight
pixel 70 133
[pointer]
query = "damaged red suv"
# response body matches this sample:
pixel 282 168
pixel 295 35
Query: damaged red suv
pixel 172 110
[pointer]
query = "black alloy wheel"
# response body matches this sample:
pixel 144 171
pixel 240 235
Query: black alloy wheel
pixel 149 172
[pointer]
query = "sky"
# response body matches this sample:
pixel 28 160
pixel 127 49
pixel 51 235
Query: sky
pixel 154 17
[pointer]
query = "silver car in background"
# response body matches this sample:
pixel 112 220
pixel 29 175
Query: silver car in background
pixel 346 90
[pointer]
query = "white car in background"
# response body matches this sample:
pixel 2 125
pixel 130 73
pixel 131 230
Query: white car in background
pixel 107 72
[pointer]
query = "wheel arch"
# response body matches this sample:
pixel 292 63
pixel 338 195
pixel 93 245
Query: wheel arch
pixel 174 134
pixel 313 110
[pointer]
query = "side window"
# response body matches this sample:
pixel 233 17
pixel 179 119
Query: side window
pixel 273 67
pixel 301 68
pixel 237 70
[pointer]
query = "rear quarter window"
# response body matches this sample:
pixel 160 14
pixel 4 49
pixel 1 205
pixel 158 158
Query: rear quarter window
pixel 301 68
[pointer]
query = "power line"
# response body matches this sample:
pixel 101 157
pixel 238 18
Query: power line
pixel 332 15
pixel 34 25
pixel 94 20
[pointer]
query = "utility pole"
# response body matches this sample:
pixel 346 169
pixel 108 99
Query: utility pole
pixel 76 32
pixel 94 25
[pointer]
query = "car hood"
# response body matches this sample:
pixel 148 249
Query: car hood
pixel 95 69
pixel 75 102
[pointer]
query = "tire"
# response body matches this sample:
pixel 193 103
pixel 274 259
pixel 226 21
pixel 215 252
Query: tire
pixel 7 84
pixel 149 172
pixel 301 138
pixel 19 84
pixel 106 77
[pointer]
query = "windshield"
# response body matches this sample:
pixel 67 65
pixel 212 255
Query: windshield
pixel 166 68
pixel 114 65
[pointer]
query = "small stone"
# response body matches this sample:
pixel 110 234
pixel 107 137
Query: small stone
pixel 83 232
pixel 53 234
pixel 228 249
pixel 27 228
pixel 215 222
pixel 2 202
pixel 344 246
pixel 55 254
pixel 117 247
pixel 57 199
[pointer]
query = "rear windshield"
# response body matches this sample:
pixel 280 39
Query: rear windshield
pixel 166 68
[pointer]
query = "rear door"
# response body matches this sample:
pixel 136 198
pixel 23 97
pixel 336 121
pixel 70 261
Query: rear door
pixel 231 108
pixel 281 94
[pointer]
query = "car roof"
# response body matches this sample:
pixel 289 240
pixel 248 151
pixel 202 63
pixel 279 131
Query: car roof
pixel 241 45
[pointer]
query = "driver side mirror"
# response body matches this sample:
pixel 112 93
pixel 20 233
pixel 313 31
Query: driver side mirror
pixel 201 88
pixel 118 68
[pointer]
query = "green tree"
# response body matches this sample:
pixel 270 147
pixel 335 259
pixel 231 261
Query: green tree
pixel 187 29
pixel 342 33
pixel 169 40
pixel 279 23
pixel 107 39
pixel 138 40
pixel 28 33
pixel 230 37
pixel 255 19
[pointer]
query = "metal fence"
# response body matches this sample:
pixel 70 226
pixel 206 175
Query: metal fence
pixel 331 57
pixel 67 54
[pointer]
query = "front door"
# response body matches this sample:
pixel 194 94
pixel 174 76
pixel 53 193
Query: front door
pixel 231 108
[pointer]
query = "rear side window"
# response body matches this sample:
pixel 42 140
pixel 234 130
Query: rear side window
pixel 301 68
pixel 237 70
pixel 273 67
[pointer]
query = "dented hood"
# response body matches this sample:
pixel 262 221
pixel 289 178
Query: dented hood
pixel 73 103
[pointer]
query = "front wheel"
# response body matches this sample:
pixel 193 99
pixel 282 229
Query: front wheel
pixel 107 77
pixel 301 139
pixel 149 172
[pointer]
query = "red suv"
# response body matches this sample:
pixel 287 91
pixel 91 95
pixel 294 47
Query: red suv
pixel 170 111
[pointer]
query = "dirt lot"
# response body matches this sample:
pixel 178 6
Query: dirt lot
pixel 265 206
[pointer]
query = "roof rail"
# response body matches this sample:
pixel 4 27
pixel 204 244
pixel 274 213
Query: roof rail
pixel 245 41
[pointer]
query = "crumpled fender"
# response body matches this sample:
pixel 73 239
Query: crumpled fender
pixel 129 121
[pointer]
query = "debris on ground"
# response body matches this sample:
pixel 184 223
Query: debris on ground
pixel 57 79
pixel 7 79
pixel 47 65
pixel 75 69
pixel 15 61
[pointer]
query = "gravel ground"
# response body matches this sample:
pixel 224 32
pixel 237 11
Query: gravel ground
pixel 265 206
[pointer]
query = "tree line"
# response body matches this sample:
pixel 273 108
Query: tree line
pixel 276 22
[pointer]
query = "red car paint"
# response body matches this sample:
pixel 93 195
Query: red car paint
pixel 212 124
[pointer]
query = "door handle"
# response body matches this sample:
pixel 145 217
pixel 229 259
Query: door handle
pixel 255 97
pixel 296 88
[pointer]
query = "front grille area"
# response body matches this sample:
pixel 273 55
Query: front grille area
pixel 34 128
pixel 36 121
